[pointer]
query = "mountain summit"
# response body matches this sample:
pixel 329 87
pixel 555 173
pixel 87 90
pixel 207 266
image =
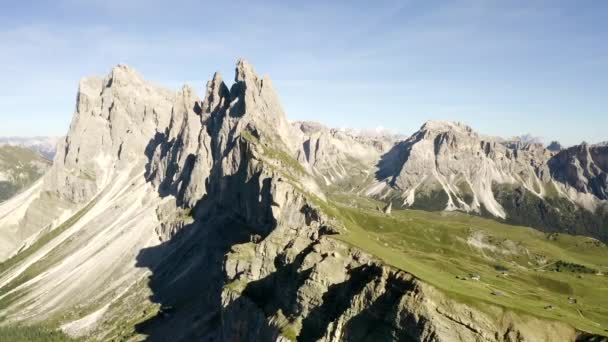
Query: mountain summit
pixel 169 216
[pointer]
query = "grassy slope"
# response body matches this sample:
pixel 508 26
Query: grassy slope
pixel 48 331
pixel 550 214
pixel 19 161
pixel 32 334
pixel 433 246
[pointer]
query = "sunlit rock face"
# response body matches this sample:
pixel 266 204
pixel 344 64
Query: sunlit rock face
pixel 171 216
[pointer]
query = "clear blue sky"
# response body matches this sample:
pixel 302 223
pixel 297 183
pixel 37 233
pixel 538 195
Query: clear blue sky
pixel 503 67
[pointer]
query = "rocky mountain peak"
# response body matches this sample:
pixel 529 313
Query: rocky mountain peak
pixel 255 98
pixel 584 167
pixel 114 120
pixel 309 127
pixel 123 74
pixel 218 203
pixel 244 71
pixel 216 94
pixel 440 126
pixel 456 167
pixel 554 146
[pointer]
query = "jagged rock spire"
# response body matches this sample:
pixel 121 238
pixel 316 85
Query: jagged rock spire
pixel 216 95
pixel 244 71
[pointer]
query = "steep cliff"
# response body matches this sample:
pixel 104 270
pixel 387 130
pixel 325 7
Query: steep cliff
pixel 449 166
pixel 174 217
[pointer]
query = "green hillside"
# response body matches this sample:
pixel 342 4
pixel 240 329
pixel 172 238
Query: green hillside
pixel 19 168
pixel 556 276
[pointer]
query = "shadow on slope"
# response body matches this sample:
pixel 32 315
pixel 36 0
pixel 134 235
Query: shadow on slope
pixel 187 279
pixel 391 163
pixel 187 270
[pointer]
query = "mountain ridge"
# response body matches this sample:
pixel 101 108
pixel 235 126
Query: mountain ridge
pixel 170 216
pixel 45 145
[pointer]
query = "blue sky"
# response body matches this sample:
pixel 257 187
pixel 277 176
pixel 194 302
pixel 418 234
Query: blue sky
pixel 503 67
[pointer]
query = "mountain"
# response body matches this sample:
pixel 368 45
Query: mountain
pixel 19 168
pixel 166 216
pixel 46 146
pixel 449 166
pixel 554 146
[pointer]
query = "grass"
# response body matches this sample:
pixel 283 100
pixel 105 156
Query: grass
pixel 550 214
pixel 42 264
pixel 19 155
pixel 125 313
pixel 22 166
pixel 288 329
pixel 32 334
pixel 438 247
pixel 275 153
pixel 236 286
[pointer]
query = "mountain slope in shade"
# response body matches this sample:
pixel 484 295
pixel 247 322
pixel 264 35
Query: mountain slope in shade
pixel 169 216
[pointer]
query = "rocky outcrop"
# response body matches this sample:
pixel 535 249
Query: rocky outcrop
pixel 114 120
pixel 214 146
pixel 555 146
pixel 452 160
pixel 584 168
pixel 339 156
pixel 312 288
pixel 448 166
pixel 187 218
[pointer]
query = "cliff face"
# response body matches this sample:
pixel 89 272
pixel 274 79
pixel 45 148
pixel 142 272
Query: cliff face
pixel 179 218
pixel 448 166
pixel 455 161
pixel 303 285
pixel 339 157
pixel 114 120
pixel 584 168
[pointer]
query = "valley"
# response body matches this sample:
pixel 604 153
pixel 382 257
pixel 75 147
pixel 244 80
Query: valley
pixel 166 216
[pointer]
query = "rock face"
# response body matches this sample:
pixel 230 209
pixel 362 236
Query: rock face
pixel 554 146
pixel 450 163
pixel 584 168
pixel 337 156
pixel 181 218
pixel 388 209
pixel 114 120
pixel 344 295
pixel 448 166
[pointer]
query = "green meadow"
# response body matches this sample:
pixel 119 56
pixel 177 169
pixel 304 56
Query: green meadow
pixel 555 276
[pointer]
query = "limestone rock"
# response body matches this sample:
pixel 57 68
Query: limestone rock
pixel 158 198
pixel 388 208
pixel 455 161
pixel 554 146
pixel 583 167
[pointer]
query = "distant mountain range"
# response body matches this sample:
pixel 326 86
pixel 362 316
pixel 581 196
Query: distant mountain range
pixel 46 146
pixel 170 217
pixel 20 167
